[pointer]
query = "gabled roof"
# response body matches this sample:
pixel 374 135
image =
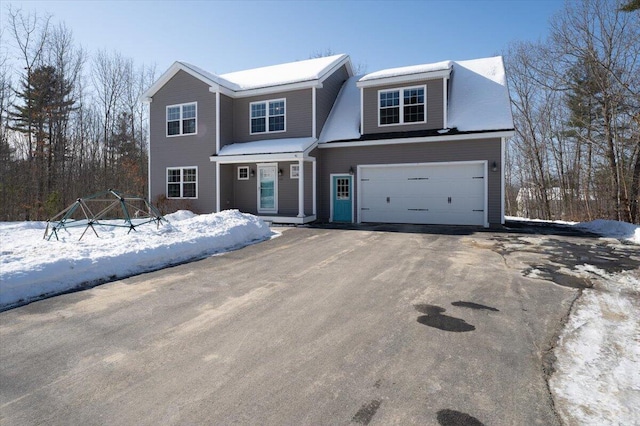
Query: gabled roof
pixel 289 76
pixel 478 100
pixel 410 73
pixel 479 97
pixel 292 72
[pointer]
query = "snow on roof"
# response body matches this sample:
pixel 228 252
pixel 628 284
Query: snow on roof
pixel 213 77
pixel 413 69
pixel 275 75
pixel 343 122
pixel 479 98
pixel 270 146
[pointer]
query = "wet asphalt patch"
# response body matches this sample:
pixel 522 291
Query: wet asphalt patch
pixel 366 412
pixel 435 319
pixel 457 418
pixel 473 305
pixel 552 273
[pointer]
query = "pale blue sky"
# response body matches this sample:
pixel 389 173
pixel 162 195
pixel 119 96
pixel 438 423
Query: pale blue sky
pixel 225 36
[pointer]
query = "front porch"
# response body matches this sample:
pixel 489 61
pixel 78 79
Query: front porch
pixel 279 187
pixel 288 220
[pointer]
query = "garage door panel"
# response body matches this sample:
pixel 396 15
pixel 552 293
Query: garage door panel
pixel 427 193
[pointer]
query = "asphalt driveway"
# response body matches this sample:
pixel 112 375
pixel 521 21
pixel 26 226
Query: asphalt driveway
pixel 318 326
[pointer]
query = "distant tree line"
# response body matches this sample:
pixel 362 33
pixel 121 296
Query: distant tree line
pixel 576 104
pixel 70 124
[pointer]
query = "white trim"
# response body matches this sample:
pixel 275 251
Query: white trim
pixel 266 116
pixel 217 188
pixel 238 172
pixel 287 219
pixel 217 122
pixel 301 188
pixel 445 103
pixel 406 78
pixel 433 163
pixel 313 113
pixel 275 187
pixel 182 182
pixel 149 156
pixel 399 141
pixel 331 189
pixel 401 105
pixel 361 112
pixel 170 73
pixel 254 158
pixel 502 179
pixel 291 168
pixel 313 185
pixel 180 120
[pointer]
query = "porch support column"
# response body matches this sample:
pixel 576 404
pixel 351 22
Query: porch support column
pixel 217 187
pixel 300 188
pixel 313 184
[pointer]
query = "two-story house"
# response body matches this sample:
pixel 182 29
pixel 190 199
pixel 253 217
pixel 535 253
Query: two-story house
pixel 307 141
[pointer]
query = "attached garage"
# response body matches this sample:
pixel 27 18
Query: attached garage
pixel 453 193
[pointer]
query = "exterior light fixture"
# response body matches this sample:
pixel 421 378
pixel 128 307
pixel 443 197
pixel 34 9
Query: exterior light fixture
pixel 279 172
pixel 494 167
pixel 253 173
pixel 351 172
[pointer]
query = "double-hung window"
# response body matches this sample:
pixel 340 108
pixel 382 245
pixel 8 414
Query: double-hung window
pixel 402 106
pixel 182 119
pixel 182 182
pixel 267 116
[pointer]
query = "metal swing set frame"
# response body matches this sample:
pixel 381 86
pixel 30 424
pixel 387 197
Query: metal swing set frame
pixel 81 214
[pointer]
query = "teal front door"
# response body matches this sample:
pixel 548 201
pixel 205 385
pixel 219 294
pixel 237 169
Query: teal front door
pixel 342 198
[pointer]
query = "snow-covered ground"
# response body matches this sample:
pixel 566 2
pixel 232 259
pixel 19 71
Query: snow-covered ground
pixel 597 377
pixel 32 267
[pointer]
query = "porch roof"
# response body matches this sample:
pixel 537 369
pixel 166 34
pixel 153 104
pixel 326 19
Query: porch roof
pixel 287 149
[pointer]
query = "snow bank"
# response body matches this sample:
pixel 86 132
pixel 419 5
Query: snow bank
pixel 32 267
pixel 613 229
pixel 597 379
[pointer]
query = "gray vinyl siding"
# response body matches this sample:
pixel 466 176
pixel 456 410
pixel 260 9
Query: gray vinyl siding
pixel 227 175
pixel 243 194
pixel 326 96
pixel 339 160
pixel 226 120
pixel 434 108
pixel 297 116
pixel 188 150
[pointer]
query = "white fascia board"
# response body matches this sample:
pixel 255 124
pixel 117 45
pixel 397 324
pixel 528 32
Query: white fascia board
pixel 260 158
pixel 345 61
pixel 172 71
pixel 277 89
pixel 423 139
pixel 407 78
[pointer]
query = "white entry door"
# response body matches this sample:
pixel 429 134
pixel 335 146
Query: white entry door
pixel 268 188
pixel 446 193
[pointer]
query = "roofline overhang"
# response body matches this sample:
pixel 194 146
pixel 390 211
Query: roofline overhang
pixel 215 86
pixel 421 139
pixel 170 73
pixel 261 158
pixel 406 78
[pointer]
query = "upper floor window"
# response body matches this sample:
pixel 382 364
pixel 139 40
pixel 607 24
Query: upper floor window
pixel 181 119
pixel 267 116
pixel 182 182
pixel 402 106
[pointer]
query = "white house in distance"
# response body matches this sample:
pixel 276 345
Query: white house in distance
pixel 308 140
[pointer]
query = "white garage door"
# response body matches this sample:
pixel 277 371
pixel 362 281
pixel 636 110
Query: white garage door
pixel 447 194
